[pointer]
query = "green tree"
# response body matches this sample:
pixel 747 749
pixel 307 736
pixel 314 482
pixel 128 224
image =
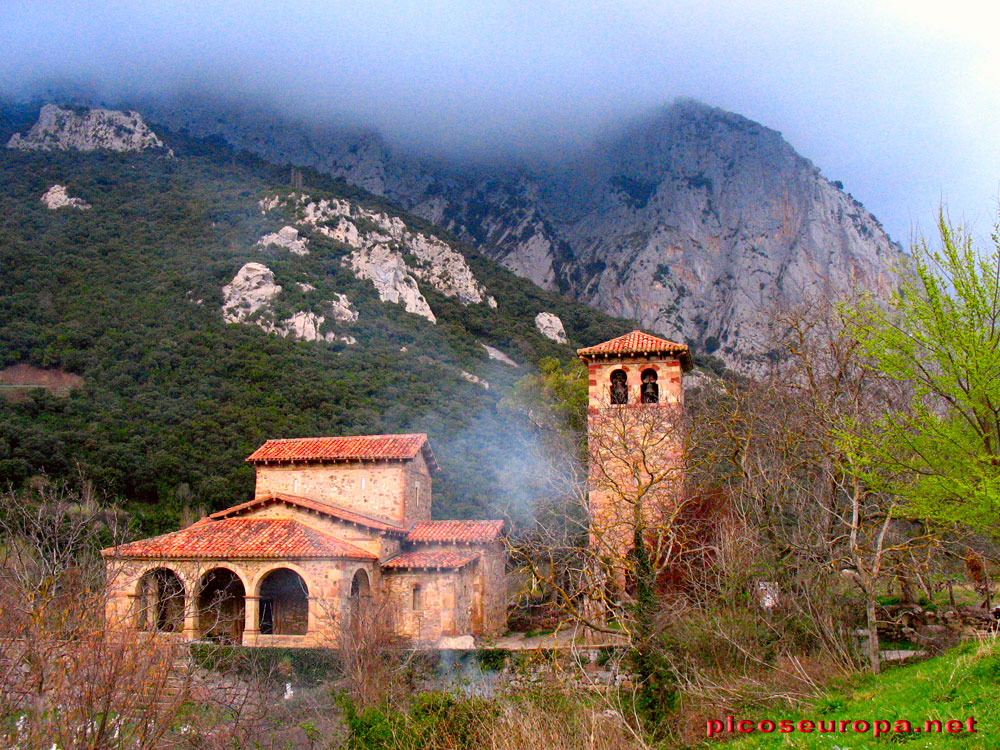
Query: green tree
pixel 554 398
pixel 940 335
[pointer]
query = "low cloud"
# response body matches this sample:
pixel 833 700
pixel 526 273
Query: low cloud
pixel 893 100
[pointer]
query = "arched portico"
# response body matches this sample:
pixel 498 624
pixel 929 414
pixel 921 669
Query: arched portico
pixel 359 603
pixel 221 606
pixel 283 603
pixel 160 599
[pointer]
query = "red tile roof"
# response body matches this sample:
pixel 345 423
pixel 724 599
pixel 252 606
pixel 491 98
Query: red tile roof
pixel 638 342
pixel 428 559
pixel 326 509
pixel 455 531
pixel 353 448
pixel 242 538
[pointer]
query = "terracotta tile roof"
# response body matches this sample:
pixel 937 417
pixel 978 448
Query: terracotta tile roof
pixel 638 342
pixel 326 509
pixel 241 538
pixel 455 531
pixel 352 448
pixel 428 559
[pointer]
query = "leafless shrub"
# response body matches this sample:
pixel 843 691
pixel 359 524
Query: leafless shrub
pixel 375 659
pixel 70 678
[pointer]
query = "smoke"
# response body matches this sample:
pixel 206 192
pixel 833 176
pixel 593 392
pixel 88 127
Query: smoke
pixel 528 473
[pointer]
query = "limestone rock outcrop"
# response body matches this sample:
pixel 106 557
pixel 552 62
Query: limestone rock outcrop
pixel 494 353
pixel 387 270
pixel 57 197
pixel 475 379
pixel 249 296
pixel 82 129
pixel 698 223
pixel 302 325
pixel 551 327
pixel 342 310
pixel 250 291
pixel 306 326
pixel 379 242
pixel 288 238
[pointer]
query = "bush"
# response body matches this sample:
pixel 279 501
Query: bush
pixel 302 667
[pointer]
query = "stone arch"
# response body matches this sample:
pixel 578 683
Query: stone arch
pixel 283 602
pixel 359 602
pixel 160 596
pixel 221 603
pixel 618 385
pixel 649 390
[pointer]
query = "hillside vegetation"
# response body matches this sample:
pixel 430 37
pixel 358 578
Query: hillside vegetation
pixel 127 295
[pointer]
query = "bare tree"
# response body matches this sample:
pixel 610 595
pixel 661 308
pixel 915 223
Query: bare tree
pixel 67 679
pixel 73 674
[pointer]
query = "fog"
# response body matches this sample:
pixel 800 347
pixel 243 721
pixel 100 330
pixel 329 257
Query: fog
pixel 899 101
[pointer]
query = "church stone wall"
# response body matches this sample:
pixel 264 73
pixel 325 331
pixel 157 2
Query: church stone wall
pixel 396 491
pixel 417 489
pixel 654 430
pixel 445 601
pixel 668 378
pixel 489 594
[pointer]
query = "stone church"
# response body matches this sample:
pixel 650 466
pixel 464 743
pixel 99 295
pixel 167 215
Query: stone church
pixel 338 538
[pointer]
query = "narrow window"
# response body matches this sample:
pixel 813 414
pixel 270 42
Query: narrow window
pixel 650 390
pixel 619 387
pixel 418 598
pixel 363 482
pixel 295 486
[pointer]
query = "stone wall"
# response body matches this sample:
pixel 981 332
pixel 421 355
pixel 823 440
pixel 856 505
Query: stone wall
pixel 396 491
pixel 443 606
pixel 668 379
pixel 616 434
pixel 417 491
pixel 489 595
pixel 933 629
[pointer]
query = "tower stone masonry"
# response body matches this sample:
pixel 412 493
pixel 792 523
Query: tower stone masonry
pixel 635 437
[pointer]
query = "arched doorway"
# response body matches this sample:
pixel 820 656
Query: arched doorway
pixel 359 603
pixel 284 603
pixel 221 606
pixel 161 601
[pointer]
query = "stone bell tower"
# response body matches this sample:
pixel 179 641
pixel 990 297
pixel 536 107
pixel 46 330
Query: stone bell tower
pixel 635 435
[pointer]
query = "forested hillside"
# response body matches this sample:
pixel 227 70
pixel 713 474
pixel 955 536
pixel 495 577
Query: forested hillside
pixel 127 295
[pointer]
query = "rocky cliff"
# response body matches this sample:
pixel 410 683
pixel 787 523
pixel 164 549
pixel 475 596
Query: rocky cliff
pixel 384 250
pixel 72 129
pixel 696 222
pixel 57 197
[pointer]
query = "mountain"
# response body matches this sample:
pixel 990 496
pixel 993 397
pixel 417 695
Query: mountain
pixel 697 222
pixel 167 305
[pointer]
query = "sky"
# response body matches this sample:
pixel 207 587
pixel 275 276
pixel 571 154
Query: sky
pixel 898 100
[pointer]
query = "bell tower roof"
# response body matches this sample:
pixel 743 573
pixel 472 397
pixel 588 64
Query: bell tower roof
pixel 639 344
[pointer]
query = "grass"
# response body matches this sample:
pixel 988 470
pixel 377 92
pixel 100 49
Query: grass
pixel 961 683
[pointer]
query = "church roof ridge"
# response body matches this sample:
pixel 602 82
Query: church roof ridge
pixel 637 342
pixel 431 559
pixel 391 447
pixel 317 506
pixel 468 531
pixel 242 538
